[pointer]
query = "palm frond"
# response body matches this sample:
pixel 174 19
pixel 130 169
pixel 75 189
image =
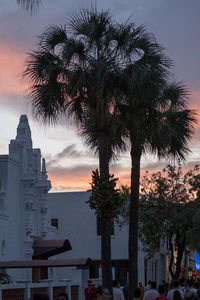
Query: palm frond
pixel 52 37
pixel 29 4
pixel 90 23
pixel 47 101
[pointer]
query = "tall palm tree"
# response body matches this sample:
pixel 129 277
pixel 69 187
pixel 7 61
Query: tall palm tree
pixel 158 121
pixel 75 73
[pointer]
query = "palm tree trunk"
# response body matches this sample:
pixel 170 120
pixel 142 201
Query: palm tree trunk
pixel 106 255
pixel 104 157
pixel 133 219
pixel 180 250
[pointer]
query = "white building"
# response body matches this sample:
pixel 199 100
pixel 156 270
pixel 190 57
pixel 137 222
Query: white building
pixel 28 213
pixel 23 197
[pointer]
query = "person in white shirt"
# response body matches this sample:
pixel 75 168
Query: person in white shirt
pixel 148 286
pixel 176 287
pixel 152 293
pixel 117 293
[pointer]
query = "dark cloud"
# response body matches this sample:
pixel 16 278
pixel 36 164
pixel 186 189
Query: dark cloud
pixel 70 151
pixel 76 170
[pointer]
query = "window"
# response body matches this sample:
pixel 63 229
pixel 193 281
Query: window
pixel 54 223
pixel 112 231
pixel 1 203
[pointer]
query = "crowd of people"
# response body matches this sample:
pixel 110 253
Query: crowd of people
pixel 178 290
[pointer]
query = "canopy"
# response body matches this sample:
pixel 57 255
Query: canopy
pixel 37 263
pixel 50 247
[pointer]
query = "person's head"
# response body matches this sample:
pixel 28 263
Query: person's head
pixel 40 297
pixel 161 289
pixel 176 283
pixel 137 292
pixel 89 283
pixel 149 282
pixel 116 283
pixel 62 296
pixel 177 295
pixel 140 284
pixel 102 294
pixel 153 285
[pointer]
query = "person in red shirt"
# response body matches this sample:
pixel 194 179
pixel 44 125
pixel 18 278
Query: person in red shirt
pixel 142 290
pixel 89 291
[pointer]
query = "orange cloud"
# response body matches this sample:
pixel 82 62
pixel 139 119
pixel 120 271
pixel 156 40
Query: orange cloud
pixel 78 177
pixel 12 65
pixel 195 97
pixel 195 103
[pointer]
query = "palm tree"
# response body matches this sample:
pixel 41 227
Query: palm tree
pixel 75 73
pixel 158 121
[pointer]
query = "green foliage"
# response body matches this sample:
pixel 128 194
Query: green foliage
pixel 105 198
pixel 125 191
pixel 169 200
pixel 169 209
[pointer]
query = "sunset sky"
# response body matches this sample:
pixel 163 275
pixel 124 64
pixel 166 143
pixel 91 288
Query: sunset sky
pixel 174 23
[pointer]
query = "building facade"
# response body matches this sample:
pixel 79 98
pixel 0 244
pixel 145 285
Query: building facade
pixel 23 198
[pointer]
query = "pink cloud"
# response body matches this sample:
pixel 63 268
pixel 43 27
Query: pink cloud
pixel 12 65
pixel 79 177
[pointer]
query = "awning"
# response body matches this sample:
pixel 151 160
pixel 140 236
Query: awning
pixel 50 247
pixel 37 263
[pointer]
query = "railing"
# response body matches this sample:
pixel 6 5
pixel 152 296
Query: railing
pixel 24 290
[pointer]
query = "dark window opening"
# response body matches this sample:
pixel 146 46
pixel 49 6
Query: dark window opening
pixel 54 223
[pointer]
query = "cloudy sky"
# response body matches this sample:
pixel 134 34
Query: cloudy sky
pixel 176 26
